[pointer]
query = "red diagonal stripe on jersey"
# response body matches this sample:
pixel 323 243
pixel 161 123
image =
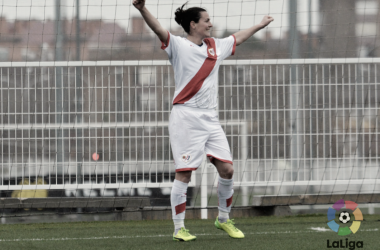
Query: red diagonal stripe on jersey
pixel 196 83
pixel 229 201
pixel 180 208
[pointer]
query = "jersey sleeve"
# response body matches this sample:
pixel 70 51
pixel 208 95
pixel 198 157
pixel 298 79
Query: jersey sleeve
pixel 171 45
pixel 226 46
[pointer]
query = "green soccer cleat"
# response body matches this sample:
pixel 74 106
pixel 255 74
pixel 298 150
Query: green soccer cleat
pixel 229 227
pixel 184 235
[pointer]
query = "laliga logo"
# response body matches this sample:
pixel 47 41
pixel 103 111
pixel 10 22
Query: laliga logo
pixel 344 217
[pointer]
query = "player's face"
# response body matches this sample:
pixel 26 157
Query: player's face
pixel 203 27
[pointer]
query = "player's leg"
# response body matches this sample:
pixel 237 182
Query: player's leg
pixel 218 151
pixel 225 188
pixel 225 194
pixel 178 198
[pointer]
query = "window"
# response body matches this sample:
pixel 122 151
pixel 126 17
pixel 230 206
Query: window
pixel 146 75
pixel 3 54
pixel 148 101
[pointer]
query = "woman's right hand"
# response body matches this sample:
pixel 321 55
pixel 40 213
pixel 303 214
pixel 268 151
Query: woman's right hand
pixel 151 20
pixel 139 4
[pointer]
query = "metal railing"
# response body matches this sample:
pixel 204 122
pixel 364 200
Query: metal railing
pixel 320 129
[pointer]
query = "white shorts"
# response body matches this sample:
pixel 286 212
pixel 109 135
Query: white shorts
pixel 194 132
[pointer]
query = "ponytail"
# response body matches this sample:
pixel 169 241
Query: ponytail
pixel 185 17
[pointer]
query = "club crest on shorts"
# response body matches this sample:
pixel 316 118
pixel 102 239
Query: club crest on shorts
pixel 186 158
pixel 211 51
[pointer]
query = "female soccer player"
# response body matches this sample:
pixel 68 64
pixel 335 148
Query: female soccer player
pixel 194 126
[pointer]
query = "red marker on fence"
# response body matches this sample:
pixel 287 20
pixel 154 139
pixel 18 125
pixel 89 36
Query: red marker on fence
pixel 95 156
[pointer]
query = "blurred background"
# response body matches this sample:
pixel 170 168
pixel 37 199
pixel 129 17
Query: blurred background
pixel 114 30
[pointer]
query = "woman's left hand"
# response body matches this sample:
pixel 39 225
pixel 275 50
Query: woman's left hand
pixel 266 20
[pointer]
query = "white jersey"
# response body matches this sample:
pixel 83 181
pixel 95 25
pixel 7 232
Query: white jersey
pixel 196 69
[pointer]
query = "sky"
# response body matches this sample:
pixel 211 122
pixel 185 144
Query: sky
pixel 225 14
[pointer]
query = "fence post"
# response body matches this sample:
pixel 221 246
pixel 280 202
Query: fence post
pixel 204 173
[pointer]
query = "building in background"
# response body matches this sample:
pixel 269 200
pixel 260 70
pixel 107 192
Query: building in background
pixel 337 28
pixel 34 40
pixel 347 28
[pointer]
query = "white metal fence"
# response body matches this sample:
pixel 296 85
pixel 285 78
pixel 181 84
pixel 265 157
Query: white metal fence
pixel 319 129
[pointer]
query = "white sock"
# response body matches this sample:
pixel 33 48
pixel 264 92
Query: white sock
pixel 223 216
pixel 178 224
pixel 225 193
pixel 178 202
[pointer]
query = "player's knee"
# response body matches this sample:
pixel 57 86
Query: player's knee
pixel 230 173
pixel 184 176
pixel 227 173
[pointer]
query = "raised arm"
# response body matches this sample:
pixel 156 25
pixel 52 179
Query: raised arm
pixel 151 20
pixel 243 35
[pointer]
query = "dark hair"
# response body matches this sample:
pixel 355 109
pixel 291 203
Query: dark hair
pixel 184 17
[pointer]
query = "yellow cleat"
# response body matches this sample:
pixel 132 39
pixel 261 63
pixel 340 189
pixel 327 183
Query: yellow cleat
pixel 229 227
pixel 184 235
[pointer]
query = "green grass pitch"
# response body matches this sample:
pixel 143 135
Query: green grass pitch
pixel 292 232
